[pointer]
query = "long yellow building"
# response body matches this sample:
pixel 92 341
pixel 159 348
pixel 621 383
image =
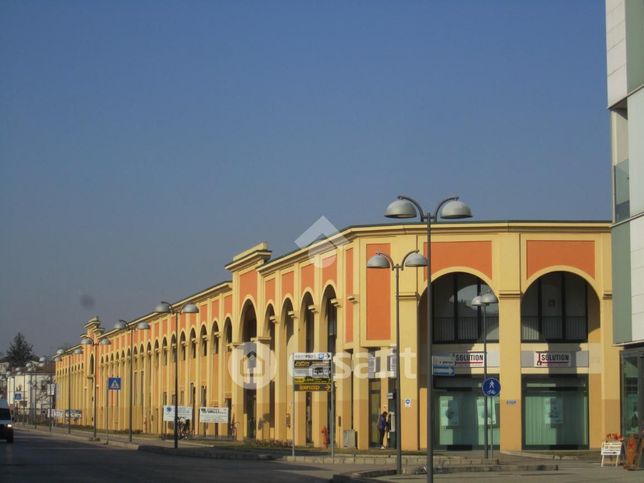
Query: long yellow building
pixel 549 342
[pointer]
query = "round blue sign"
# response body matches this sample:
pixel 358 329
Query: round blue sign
pixel 491 386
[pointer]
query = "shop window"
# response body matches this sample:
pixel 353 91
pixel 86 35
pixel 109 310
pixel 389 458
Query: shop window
pixel 555 309
pixel 460 414
pixel 375 409
pixel 454 318
pixel 632 400
pixel 555 412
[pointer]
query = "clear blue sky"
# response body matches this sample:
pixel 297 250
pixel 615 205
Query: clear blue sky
pixel 143 144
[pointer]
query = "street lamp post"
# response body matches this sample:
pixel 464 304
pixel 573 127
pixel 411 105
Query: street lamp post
pixel 382 260
pixel 167 308
pixel 483 301
pixel 57 358
pixel 22 400
pixel 449 208
pixel 50 390
pixel 29 394
pixel 86 341
pixel 123 325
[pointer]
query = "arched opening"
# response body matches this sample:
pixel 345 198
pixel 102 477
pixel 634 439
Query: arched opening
pixel 289 343
pixel 203 339
pixel 193 344
pixel 457 326
pixel 557 308
pixel 268 420
pixel 228 339
pixel 248 334
pixel 134 384
pixel 307 329
pixel 215 338
pixel 330 330
pixel 183 346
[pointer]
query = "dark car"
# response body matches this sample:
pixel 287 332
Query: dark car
pixel 6 425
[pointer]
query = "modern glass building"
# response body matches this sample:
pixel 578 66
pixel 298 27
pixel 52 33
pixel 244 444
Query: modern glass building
pixel 625 62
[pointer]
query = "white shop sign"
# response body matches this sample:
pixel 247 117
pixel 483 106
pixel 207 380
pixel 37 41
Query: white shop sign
pixel 469 359
pixel 185 412
pixel 213 415
pixel 553 359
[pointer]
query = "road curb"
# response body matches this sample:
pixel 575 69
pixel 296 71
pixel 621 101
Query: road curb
pixel 211 453
pixel 83 438
pixel 561 457
pixel 370 475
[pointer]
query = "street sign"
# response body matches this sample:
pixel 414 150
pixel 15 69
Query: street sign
pixel 17 396
pixel 491 386
pixel 114 383
pixel 444 365
pixel 312 371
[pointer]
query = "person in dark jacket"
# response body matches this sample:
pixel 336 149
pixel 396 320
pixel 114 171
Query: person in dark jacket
pixel 382 428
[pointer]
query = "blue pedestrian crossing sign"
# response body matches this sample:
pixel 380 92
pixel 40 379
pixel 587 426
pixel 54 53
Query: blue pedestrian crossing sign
pixel 491 386
pixel 114 383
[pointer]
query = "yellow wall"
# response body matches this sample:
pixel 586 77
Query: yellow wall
pixel 506 256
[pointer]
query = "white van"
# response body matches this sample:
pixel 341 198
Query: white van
pixel 6 424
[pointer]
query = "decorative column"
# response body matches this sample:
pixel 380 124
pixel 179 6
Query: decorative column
pixel 409 377
pixel 510 370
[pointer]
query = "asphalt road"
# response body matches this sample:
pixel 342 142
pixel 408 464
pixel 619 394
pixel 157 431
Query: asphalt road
pixel 44 458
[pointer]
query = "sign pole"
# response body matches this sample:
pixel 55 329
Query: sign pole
pixel 492 432
pixel 332 429
pixel 107 414
pixel 485 398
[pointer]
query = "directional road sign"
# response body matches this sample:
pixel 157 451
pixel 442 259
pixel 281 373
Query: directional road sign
pixel 444 365
pixel 491 386
pixel 312 371
pixel 114 383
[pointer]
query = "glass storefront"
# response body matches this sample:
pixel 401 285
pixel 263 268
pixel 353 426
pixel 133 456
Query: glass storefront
pixel 555 412
pixel 632 398
pixel 459 414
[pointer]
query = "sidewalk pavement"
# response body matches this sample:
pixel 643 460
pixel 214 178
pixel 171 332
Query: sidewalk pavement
pixel 376 465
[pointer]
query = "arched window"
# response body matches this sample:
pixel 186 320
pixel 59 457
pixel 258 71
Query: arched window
pixel 193 344
pixel 454 317
pixel 555 308
pixel 203 336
